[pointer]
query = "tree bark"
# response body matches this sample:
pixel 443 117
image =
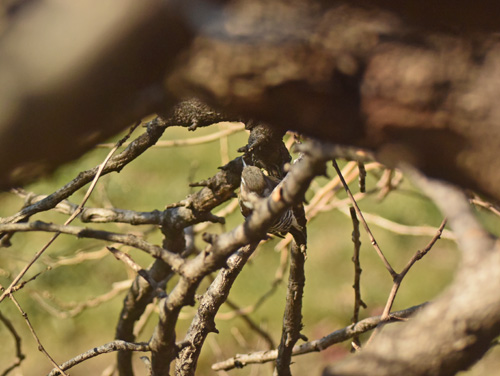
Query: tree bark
pixel 363 76
pixel 413 82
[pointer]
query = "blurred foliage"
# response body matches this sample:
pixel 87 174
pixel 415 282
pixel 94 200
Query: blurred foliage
pixel 161 177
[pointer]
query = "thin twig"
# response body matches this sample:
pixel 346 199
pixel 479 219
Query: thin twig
pixel 127 259
pixel 399 228
pixel 478 201
pixel 341 335
pixel 78 258
pixel 37 255
pixel 224 147
pixel 365 225
pixel 72 309
pixel 400 276
pixel 32 330
pixel 190 141
pixel 362 177
pixel 104 349
pixel 252 325
pixel 358 302
pixel 170 258
pixel 17 339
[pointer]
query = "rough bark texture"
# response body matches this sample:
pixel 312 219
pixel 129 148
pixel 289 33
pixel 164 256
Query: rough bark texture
pixel 360 76
pixel 415 82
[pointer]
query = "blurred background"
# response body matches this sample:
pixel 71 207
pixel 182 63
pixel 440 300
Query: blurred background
pixel 76 298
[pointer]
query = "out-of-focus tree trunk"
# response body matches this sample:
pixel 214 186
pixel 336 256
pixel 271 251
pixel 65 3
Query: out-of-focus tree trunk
pixel 362 76
pixel 73 73
pixel 414 82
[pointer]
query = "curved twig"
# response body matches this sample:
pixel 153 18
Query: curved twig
pixel 104 349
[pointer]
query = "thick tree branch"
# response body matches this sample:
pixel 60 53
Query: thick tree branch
pixel 194 209
pixel 292 191
pixel 204 321
pixel 374 74
pixel 292 318
pixel 115 164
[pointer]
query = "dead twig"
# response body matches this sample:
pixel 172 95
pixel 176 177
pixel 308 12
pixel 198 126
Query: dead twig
pixel 96 177
pixel 358 302
pixel 104 349
pixel 341 335
pixel 365 225
pixel 35 336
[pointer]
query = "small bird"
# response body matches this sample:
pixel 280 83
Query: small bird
pixel 255 185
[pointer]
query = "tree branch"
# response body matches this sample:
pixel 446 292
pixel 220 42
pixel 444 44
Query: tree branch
pixel 172 259
pixel 104 349
pixel 204 321
pixel 341 335
pixel 292 318
pixel 467 312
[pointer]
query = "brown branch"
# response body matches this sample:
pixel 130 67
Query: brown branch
pixel 115 164
pixel 365 225
pixel 104 349
pixel 292 317
pixel 240 312
pixel 358 302
pixel 291 191
pixel 155 251
pixel 400 276
pixel 341 335
pixel 77 211
pixel 467 311
pixel 204 321
pixel 35 336
pixel 72 309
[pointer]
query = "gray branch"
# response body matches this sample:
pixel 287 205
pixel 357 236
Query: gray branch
pixel 341 335
pixel 104 349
